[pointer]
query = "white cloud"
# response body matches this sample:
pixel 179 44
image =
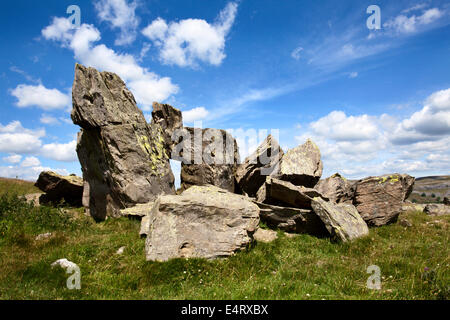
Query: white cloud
pixel 296 53
pixel 189 41
pixel 403 24
pixel 40 96
pixel 27 173
pixel 30 162
pixel 195 114
pixel 16 139
pixel 119 14
pixel 14 158
pixel 61 151
pixel 365 145
pixel 353 75
pixel 47 119
pixel 146 86
pixel 430 123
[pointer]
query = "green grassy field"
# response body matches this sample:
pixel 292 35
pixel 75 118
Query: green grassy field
pixel 414 262
pixel 16 186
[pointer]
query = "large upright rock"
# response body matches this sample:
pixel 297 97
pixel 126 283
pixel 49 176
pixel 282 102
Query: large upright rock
pixel 202 222
pixel 209 157
pixel 337 189
pixel 123 158
pixel 342 220
pixel 379 200
pixel 264 162
pixel 302 165
pixel 58 187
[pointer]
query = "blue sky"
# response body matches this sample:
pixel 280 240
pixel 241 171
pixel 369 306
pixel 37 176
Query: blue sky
pixel 375 101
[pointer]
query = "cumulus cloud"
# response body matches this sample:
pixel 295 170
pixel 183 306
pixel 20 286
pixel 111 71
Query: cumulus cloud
pixel 30 162
pixel 13 159
pixel 61 151
pixel 429 123
pixel 14 138
pixel 146 86
pixel 47 119
pixel 120 15
pixel 369 145
pixel 40 96
pixel 190 41
pixel 195 114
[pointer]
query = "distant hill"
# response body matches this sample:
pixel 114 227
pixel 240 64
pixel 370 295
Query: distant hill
pixel 430 189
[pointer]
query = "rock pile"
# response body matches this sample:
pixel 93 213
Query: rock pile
pixel 126 171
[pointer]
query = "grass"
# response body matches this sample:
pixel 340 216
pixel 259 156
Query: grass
pixel 414 262
pixel 16 186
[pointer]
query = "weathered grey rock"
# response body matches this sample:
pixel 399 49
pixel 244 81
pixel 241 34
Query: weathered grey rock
pixel 342 220
pixel 209 157
pixel 408 207
pixel 43 236
pixel 379 200
pixel 337 189
pixel 263 235
pixel 436 209
pixel 279 192
pixel 202 222
pixel 123 158
pixel 139 210
pixel 292 220
pixel 264 162
pixel 169 119
pixel 302 165
pixel 404 223
pixel 58 187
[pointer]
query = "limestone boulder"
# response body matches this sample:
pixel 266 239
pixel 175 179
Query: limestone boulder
pixel 379 200
pixel 58 188
pixel 302 166
pixel 123 158
pixel 208 156
pixel 251 174
pixel 337 189
pixel 202 222
pixel 436 209
pixel 342 220
pixel 292 220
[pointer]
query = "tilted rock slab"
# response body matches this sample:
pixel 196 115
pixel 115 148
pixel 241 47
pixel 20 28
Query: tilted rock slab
pixel 302 165
pixel 342 220
pixel 337 189
pixel 379 200
pixel 58 187
pixel 264 162
pixel 123 158
pixel 283 193
pixel 169 119
pixel 202 222
pixel 292 220
pixel 208 156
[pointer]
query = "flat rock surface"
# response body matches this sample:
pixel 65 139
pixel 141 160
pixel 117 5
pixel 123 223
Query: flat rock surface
pixel 202 222
pixel 342 220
